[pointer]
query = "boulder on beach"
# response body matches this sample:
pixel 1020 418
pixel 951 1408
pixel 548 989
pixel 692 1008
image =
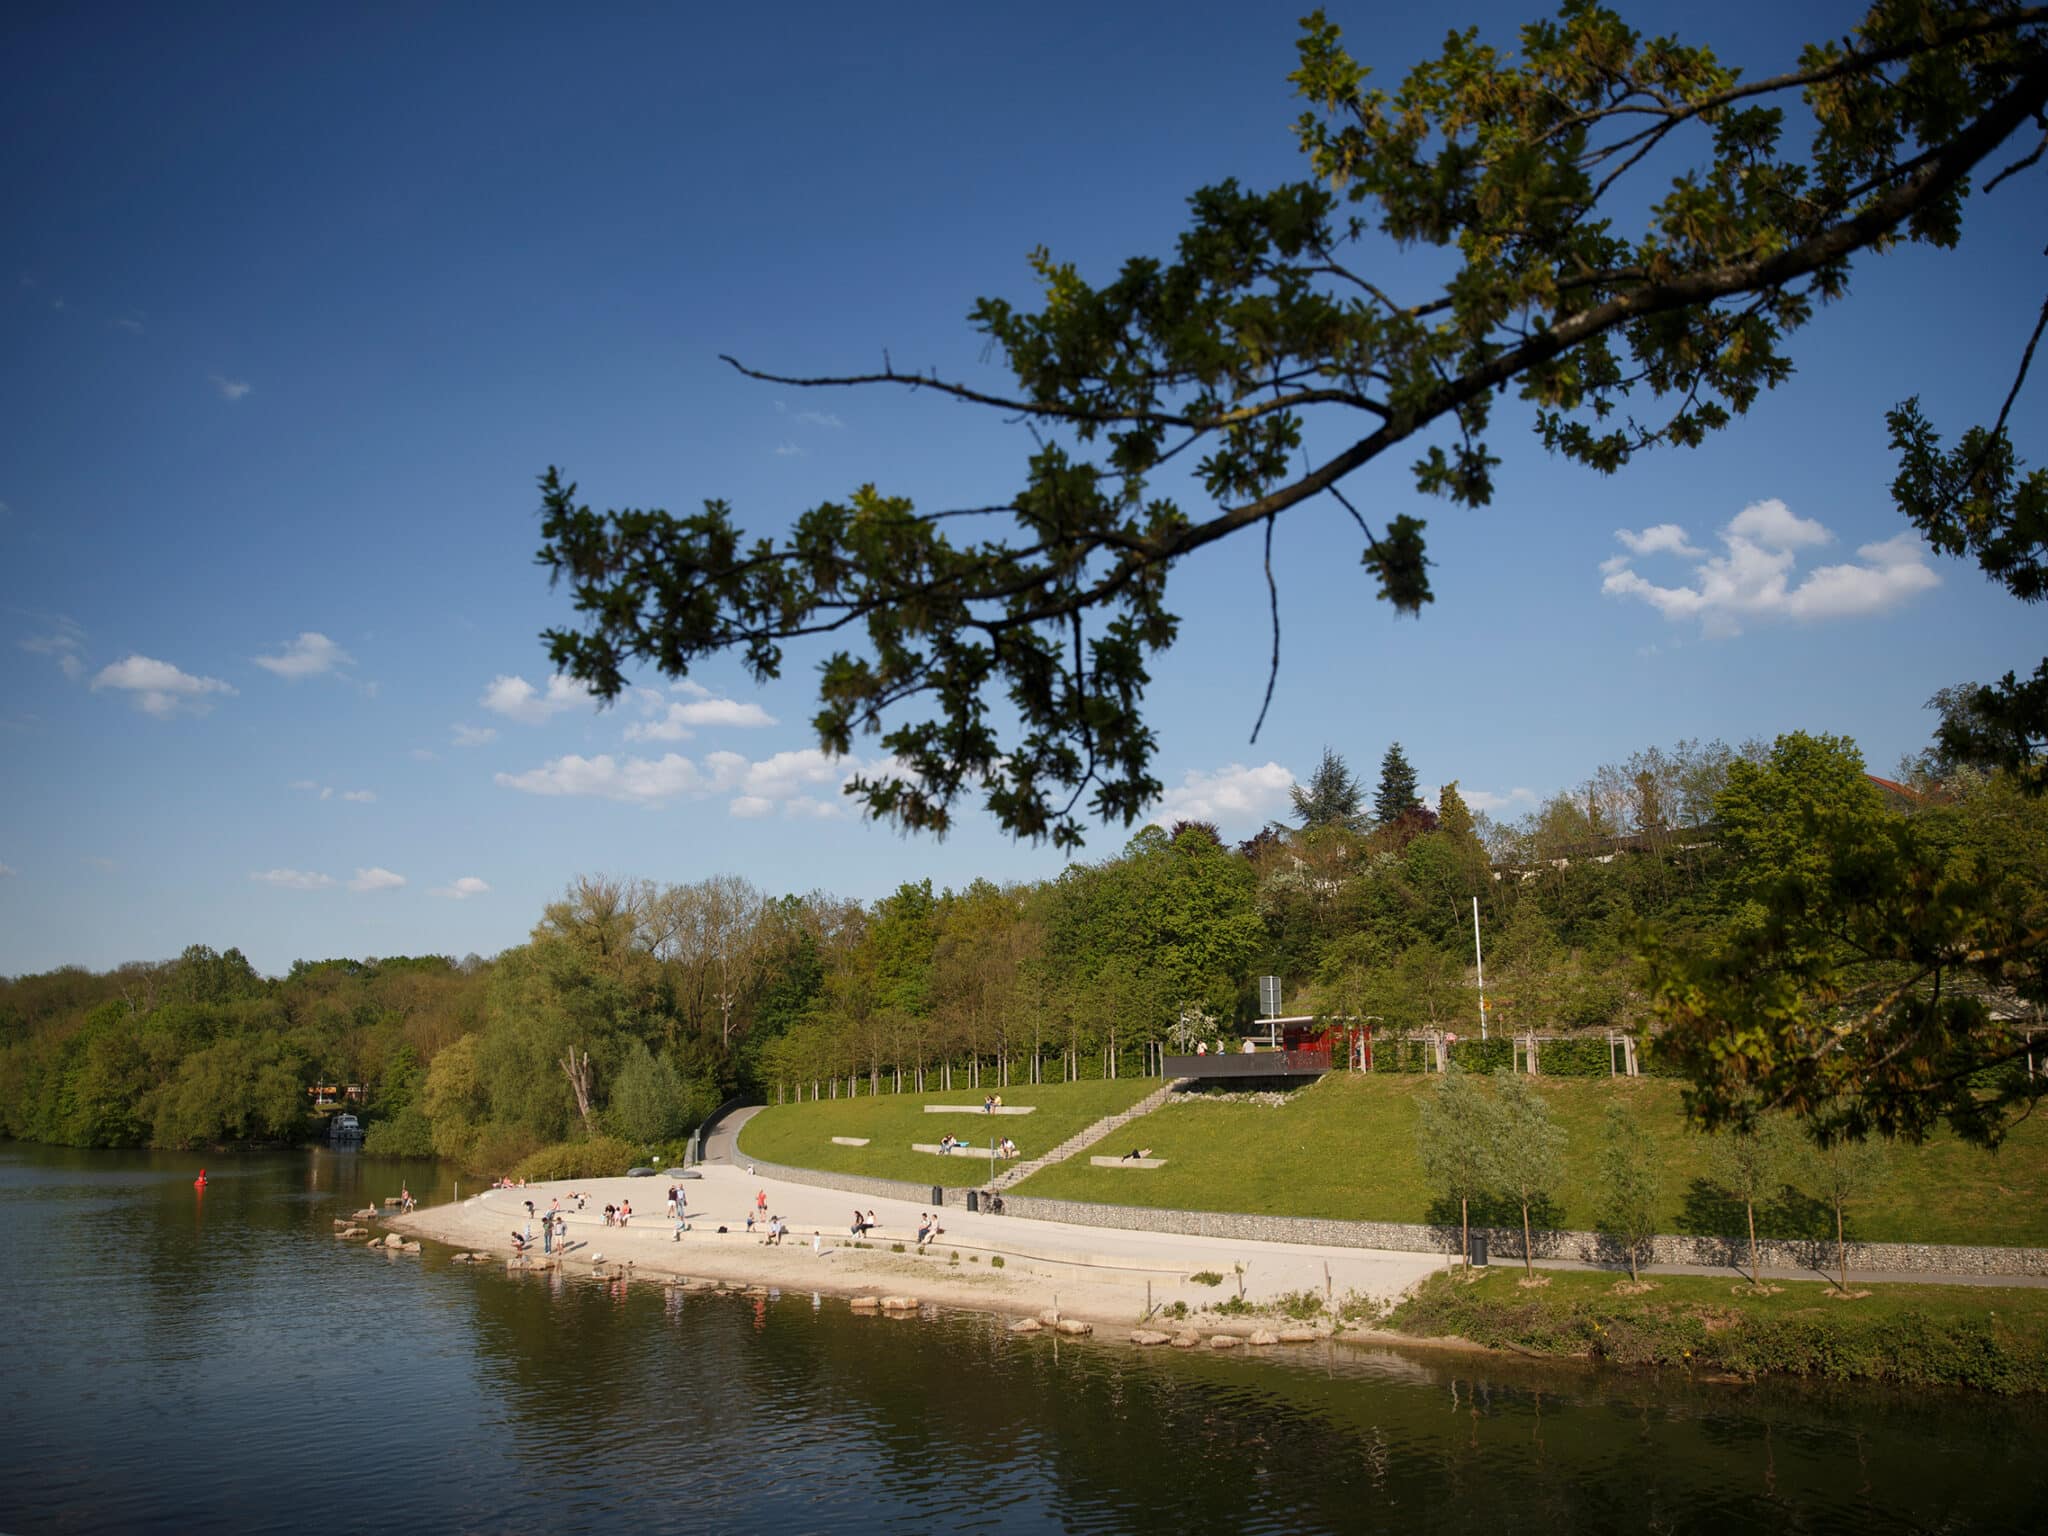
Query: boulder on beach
pixel 1224 1341
pixel 393 1240
pixel 1027 1325
pixel 1074 1325
pixel 1263 1336
pixel 1050 1317
pixel 865 1304
pixel 1297 1336
pixel 899 1303
pixel 1186 1340
pixel 412 1248
pixel 1150 1336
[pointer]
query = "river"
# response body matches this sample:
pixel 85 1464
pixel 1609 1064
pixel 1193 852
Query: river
pixel 180 1360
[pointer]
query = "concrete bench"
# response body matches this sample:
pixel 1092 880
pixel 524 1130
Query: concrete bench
pixel 976 1109
pixel 1128 1162
pixel 849 1141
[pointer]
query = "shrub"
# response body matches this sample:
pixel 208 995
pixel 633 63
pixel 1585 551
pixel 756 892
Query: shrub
pixel 1300 1305
pixel 1234 1306
pixel 1206 1277
pixel 895 1247
pixel 995 1261
pixel 406 1134
pixel 602 1157
pixel 1582 1056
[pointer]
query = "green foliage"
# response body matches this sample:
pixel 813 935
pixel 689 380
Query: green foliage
pixel 1396 795
pixel 1302 1306
pixel 1333 797
pixel 1206 1277
pixel 1458 1143
pixel 1621 221
pixel 648 1102
pixel 1528 1148
pixel 408 1133
pixel 1910 1335
pixel 1629 1176
pixel 601 1157
pixel 1856 986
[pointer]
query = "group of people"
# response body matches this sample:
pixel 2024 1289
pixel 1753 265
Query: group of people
pixel 863 1225
pixel 554 1227
pixel 618 1215
pixel 928 1227
pixel 991 1103
pixel 678 1212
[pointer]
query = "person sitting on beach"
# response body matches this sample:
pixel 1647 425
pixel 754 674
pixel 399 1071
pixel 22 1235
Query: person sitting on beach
pixel 625 1212
pixel 750 1221
pixel 924 1227
pixel 872 1224
pixel 857 1222
pixel 774 1231
pixel 999 1101
pixel 988 1104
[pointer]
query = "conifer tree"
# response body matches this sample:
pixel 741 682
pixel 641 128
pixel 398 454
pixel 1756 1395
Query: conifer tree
pixel 1396 795
pixel 1333 796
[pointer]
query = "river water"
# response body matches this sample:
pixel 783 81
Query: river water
pixel 179 1360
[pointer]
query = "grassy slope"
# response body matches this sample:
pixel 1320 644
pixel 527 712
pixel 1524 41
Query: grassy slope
pixel 1976 1336
pixel 1346 1148
pixel 800 1135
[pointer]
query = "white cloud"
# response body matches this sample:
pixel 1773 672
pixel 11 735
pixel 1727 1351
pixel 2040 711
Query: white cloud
pixel 1235 796
pixel 463 889
pixel 292 879
pixel 422 755
pixel 517 699
pixel 635 780
pixel 820 419
pixel 308 656
pixel 100 861
pixel 803 782
pixel 360 796
pixel 62 644
pixel 6 870
pixel 376 879
pixel 1665 538
pixel 160 689
pixel 1486 801
pixel 1754 578
pixel 473 735
pixel 789 451
pixel 230 389
pixel 677 719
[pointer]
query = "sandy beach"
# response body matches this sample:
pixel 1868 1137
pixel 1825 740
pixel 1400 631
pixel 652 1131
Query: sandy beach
pixel 1105 1277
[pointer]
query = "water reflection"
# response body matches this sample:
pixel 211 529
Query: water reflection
pixel 220 1361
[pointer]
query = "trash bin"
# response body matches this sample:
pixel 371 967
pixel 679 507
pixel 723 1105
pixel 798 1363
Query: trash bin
pixel 974 1199
pixel 1479 1250
pixel 938 1194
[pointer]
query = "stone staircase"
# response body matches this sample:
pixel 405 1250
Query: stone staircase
pixel 1017 1172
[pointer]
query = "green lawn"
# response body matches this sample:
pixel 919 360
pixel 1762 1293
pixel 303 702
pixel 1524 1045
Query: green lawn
pixel 1991 1338
pixel 1346 1148
pixel 800 1135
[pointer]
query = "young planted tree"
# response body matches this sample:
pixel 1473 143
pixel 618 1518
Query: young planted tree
pixel 1528 1149
pixel 1628 1183
pixel 1847 1170
pixel 1749 1162
pixel 1457 1139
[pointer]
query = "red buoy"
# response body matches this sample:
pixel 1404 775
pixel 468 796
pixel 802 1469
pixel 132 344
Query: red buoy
pixel 200 1182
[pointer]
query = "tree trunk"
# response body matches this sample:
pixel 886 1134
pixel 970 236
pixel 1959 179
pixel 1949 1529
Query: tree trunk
pixel 1756 1273
pixel 1464 1232
pixel 1528 1259
pixel 1841 1247
pixel 578 1073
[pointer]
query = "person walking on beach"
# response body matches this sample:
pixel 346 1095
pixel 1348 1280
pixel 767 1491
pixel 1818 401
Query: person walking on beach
pixel 761 1203
pixel 547 1233
pixel 679 1209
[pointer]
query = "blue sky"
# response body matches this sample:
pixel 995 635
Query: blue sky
pixel 294 306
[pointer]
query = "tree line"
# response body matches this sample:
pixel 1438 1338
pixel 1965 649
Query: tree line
pixel 1669 891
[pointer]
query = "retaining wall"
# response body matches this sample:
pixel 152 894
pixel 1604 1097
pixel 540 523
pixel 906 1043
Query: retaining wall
pixel 1418 1237
pixel 1506 1242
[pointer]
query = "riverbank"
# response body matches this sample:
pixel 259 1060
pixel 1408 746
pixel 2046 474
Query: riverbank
pixel 1920 1335
pixel 998 1264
